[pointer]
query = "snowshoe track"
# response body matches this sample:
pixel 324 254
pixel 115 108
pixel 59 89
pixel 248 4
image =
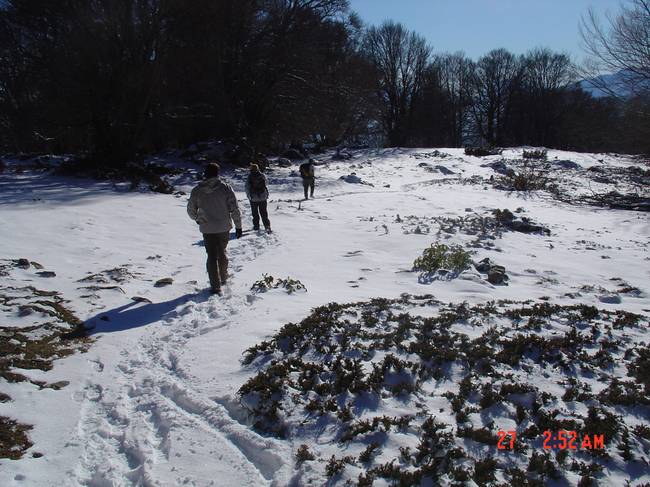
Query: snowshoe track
pixel 153 414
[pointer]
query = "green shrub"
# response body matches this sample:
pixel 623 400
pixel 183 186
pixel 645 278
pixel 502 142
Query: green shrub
pixel 264 284
pixel 334 466
pixel 367 454
pixel 484 471
pixel 304 455
pixel 441 256
pixel 269 282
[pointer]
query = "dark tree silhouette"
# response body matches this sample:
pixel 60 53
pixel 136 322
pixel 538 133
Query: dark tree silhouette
pixel 496 78
pixel 114 80
pixel 401 58
pixel 546 76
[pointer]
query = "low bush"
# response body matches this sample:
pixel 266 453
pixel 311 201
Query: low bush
pixel 539 154
pixel 269 282
pixel 482 151
pixel 529 178
pixel 338 368
pixel 441 256
pixel 304 455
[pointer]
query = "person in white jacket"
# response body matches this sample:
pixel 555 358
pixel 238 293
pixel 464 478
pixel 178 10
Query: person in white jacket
pixel 213 205
pixel 258 194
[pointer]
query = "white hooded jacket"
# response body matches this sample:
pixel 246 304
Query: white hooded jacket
pixel 213 205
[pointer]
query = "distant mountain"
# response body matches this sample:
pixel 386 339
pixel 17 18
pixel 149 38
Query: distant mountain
pixel 618 83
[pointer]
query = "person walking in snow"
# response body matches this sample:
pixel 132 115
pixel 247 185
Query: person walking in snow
pixel 213 205
pixel 258 194
pixel 308 177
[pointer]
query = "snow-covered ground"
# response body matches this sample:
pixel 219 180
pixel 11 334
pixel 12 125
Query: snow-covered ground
pixel 153 401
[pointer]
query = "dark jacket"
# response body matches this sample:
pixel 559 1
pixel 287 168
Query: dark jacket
pixel 256 197
pixel 307 170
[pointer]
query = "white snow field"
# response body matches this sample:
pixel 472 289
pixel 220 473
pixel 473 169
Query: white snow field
pixel 152 399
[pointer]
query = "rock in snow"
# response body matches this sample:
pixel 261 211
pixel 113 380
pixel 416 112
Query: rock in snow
pixel 565 164
pixel 354 179
pixel 610 298
pixel 444 170
pixel 496 274
pixel 165 281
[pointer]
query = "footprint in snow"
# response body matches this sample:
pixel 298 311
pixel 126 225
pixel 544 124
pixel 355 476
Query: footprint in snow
pixel 353 253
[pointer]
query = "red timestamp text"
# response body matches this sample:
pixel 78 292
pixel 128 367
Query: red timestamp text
pixel 506 439
pixel 572 440
pixel 559 440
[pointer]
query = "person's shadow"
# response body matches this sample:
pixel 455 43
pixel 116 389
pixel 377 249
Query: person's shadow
pixel 136 314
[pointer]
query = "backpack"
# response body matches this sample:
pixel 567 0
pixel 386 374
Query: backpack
pixel 258 185
pixel 307 170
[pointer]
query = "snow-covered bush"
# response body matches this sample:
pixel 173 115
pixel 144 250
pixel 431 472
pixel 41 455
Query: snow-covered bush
pixel 413 392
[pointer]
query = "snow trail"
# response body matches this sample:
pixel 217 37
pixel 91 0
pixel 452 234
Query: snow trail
pixel 152 411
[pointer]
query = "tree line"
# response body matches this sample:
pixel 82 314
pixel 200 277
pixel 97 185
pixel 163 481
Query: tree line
pixel 116 79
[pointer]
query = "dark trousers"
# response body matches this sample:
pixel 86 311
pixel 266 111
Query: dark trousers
pixel 217 264
pixel 259 209
pixel 308 183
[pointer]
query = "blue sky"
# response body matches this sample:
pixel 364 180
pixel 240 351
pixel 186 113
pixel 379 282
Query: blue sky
pixel 476 26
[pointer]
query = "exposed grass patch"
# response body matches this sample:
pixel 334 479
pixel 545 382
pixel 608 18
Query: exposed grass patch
pixel 60 334
pixel 118 274
pixel 13 438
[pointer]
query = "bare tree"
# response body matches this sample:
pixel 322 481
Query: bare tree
pixel 622 46
pixel 546 71
pixel 401 58
pixel 545 76
pixel 456 72
pixel 496 77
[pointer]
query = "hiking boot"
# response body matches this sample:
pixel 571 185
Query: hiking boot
pixel 216 291
pixel 256 229
pixel 268 230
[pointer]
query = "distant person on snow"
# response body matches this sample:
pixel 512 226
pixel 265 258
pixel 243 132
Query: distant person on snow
pixel 257 193
pixel 213 205
pixel 308 177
